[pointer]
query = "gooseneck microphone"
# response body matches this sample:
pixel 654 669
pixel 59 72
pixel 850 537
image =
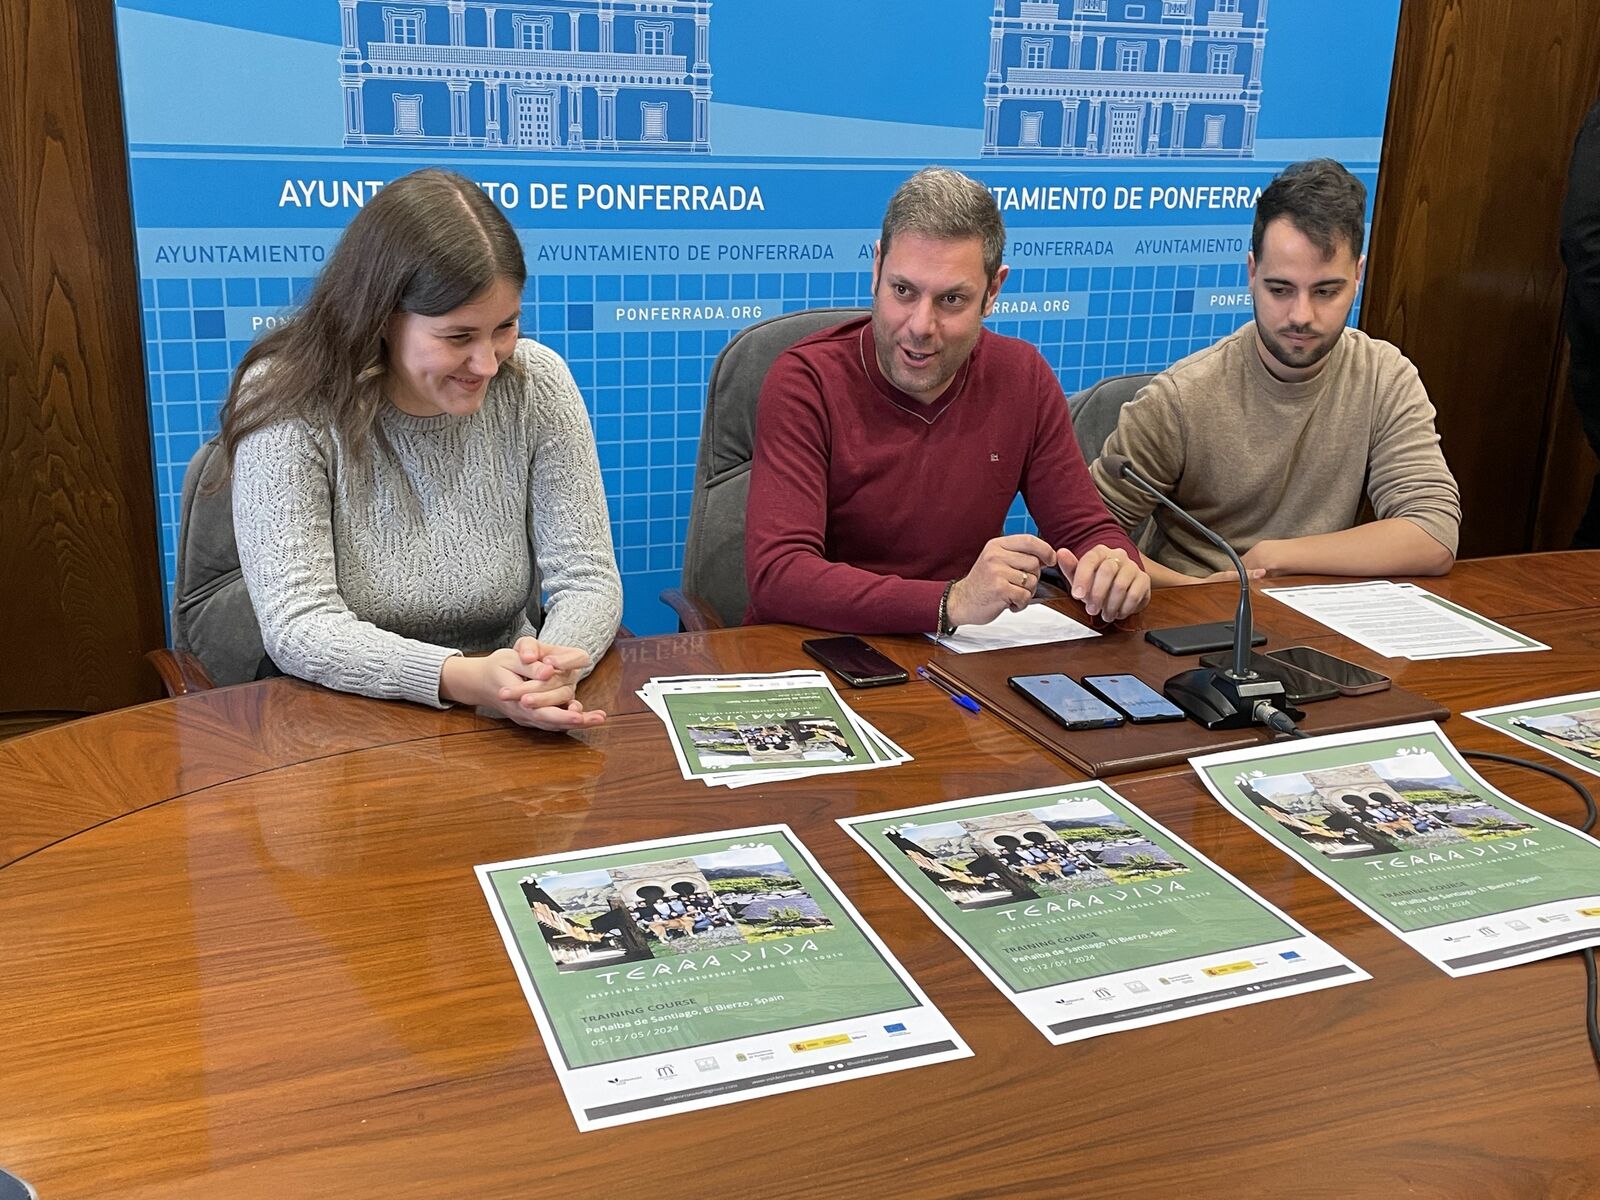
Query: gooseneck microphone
pixel 1231 697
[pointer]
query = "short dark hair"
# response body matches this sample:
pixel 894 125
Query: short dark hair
pixel 1321 199
pixel 938 202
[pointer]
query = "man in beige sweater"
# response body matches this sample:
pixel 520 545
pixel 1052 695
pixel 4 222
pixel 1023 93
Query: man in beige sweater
pixel 1273 435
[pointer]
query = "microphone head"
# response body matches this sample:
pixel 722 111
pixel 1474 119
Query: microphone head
pixel 1115 465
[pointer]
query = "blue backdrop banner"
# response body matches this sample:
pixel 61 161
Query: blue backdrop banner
pixel 679 169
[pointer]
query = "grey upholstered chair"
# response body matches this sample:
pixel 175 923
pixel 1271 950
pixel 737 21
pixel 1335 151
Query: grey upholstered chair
pixel 1094 410
pixel 714 594
pixel 1094 413
pixel 215 637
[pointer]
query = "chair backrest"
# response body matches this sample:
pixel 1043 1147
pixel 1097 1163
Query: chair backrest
pixel 211 613
pixel 713 552
pixel 1094 410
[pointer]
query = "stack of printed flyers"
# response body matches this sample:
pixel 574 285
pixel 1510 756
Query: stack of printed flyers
pixel 739 730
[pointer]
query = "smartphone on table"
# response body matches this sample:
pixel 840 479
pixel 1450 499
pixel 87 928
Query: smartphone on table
pixel 1350 679
pixel 1197 639
pixel 1299 687
pixel 1131 695
pixel 857 663
pixel 1067 701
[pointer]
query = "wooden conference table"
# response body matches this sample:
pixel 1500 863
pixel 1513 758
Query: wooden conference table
pixel 245 955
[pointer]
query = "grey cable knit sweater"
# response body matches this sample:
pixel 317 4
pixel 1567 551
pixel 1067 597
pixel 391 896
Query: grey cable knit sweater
pixel 367 572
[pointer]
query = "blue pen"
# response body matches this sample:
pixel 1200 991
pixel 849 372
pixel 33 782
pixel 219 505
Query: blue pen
pixel 961 698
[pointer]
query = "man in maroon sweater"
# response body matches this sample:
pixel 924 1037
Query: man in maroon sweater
pixel 888 451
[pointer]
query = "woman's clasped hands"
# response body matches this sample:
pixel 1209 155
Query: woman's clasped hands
pixel 531 683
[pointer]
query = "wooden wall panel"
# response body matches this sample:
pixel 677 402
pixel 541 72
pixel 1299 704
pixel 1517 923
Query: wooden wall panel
pixel 81 597
pixel 1569 469
pixel 1464 271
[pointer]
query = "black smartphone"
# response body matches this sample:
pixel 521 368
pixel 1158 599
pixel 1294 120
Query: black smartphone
pixel 857 663
pixel 1350 679
pixel 1300 687
pixel 1065 699
pixel 1198 639
pixel 1133 696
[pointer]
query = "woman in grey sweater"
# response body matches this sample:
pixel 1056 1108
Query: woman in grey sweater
pixel 401 461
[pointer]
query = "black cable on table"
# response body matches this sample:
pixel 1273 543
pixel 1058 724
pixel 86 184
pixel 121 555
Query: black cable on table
pixel 1591 975
pixel 1594 1022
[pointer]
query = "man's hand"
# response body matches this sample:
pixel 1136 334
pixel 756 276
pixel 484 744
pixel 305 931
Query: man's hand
pixel 1228 576
pixel 1163 577
pixel 1109 584
pixel 1264 557
pixel 1003 577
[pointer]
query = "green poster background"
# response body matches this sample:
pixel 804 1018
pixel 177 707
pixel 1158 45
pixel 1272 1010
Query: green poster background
pixel 1427 885
pixel 1098 931
pixel 843 977
pixel 760 708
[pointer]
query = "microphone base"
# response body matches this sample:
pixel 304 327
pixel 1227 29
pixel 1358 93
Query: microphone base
pixel 1213 698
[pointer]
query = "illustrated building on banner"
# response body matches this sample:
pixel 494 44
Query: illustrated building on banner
pixel 560 75
pixel 1124 78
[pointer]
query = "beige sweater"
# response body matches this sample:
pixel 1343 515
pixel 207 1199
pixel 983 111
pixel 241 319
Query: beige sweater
pixel 1258 459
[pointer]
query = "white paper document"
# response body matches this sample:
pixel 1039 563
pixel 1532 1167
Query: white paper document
pixel 1402 620
pixel 1033 626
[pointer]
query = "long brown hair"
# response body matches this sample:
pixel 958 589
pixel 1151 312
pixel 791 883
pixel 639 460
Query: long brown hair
pixel 427 243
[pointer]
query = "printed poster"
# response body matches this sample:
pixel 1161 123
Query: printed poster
pixel 1565 726
pixel 676 975
pixel 1398 822
pixel 1089 915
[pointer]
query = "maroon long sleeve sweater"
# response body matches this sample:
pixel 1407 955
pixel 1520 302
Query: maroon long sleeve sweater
pixel 865 502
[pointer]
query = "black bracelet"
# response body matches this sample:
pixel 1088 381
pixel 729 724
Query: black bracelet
pixel 945 628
